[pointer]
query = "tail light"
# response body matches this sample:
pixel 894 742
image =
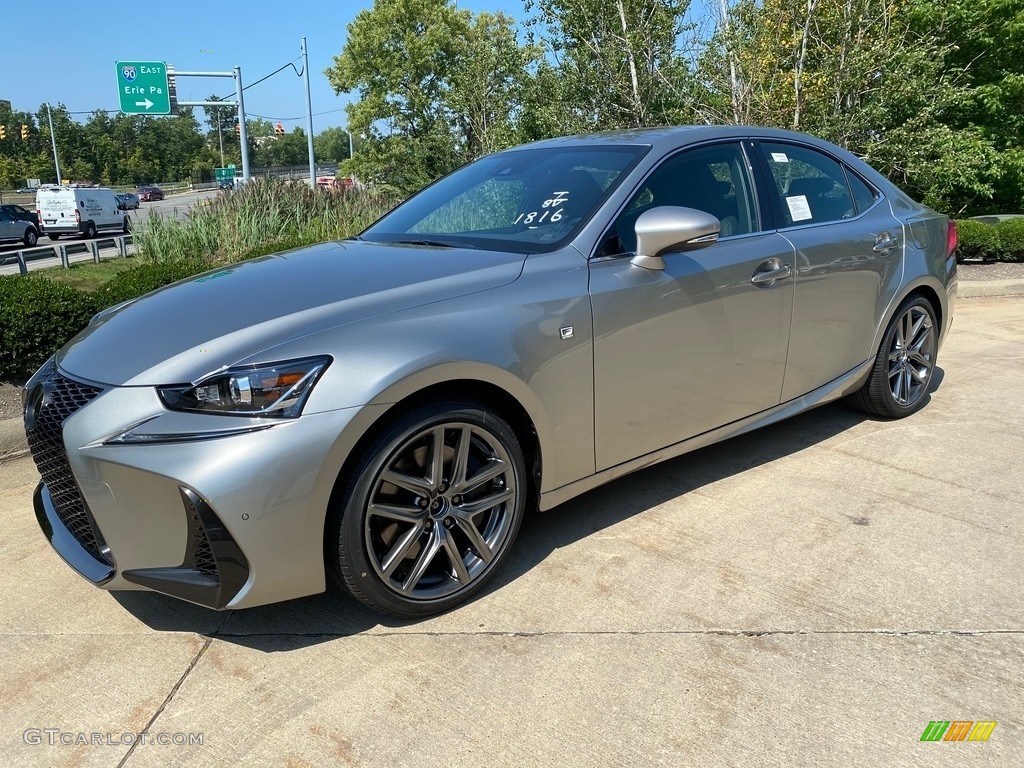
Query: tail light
pixel 952 238
pixel 78 217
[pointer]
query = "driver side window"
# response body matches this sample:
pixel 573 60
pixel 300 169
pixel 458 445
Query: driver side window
pixel 711 179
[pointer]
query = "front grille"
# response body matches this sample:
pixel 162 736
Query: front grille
pixel 61 398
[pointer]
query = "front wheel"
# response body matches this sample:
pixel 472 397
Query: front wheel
pixel 435 502
pixel 902 372
pixel 31 237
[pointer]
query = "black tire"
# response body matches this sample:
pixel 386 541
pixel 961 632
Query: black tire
pixel 31 237
pixel 902 372
pixel 126 227
pixel 429 545
pixel 90 230
pixel 54 236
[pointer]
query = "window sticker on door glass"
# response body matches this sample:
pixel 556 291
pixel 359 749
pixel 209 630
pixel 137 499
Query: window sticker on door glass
pixel 549 211
pixel 780 157
pixel 799 210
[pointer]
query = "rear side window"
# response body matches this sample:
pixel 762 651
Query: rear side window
pixel 863 195
pixel 812 188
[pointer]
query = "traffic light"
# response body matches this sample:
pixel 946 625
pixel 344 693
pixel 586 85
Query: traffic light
pixel 279 130
pixel 3 132
pixel 24 131
pixel 238 130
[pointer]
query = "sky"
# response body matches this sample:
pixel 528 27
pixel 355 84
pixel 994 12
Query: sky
pixel 70 58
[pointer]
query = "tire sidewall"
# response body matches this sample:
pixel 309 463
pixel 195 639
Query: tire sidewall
pixel 357 571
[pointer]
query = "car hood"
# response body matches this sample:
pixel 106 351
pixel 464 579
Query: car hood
pixel 187 330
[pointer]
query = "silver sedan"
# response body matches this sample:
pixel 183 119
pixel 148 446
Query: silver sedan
pixel 383 411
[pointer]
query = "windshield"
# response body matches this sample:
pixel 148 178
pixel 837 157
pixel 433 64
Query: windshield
pixel 524 201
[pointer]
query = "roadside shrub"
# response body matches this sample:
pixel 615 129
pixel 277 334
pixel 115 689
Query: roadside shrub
pixel 1001 241
pixel 1011 240
pixel 978 241
pixel 37 317
pixel 143 278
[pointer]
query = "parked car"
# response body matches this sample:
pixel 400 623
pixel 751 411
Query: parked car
pixel 150 193
pixel 382 411
pixel 13 228
pixel 226 184
pixel 127 201
pixel 22 190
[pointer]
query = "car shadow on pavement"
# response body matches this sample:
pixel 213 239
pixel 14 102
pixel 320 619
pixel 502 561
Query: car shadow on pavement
pixel 332 615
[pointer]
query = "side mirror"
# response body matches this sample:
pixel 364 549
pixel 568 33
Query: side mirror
pixel 671 228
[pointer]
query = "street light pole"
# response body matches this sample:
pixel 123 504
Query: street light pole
pixel 309 115
pixel 53 138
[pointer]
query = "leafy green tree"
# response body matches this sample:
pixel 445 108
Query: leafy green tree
pixel 331 145
pixel 436 87
pixel 618 63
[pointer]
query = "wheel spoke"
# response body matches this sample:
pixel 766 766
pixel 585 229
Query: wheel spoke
pixel 897 386
pixel 437 458
pixel 487 502
pixel 461 573
pixel 430 550
pixel 395 512
pixel 915 328
pixel 907 384
pixel 920 359
pixel 415 485
pixel 400 550
pixel 460 464
pixel 476 541
pixel 493 469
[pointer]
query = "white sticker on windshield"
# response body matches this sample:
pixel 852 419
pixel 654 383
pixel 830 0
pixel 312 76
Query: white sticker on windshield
pixel 799 210
pixel 780 157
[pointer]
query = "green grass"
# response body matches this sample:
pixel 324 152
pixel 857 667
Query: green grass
pixel 88 277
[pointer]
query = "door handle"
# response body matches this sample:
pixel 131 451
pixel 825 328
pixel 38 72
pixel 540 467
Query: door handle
pixel 885 242
pixel 771 275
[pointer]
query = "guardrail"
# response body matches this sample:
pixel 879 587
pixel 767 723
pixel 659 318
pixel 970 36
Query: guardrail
pixel 125 245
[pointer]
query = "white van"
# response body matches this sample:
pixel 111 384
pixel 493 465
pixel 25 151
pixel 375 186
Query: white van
pixel 79 210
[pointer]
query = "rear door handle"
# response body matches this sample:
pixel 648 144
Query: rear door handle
pixel 885 242
pixel 771 275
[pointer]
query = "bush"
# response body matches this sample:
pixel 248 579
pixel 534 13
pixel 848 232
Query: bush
pixel 1000 241
pixel 142 279
pixel 37 317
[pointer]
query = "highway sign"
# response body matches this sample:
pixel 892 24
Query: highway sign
pixel 142 87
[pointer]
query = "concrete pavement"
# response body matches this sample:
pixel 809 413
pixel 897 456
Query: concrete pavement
pixel 811 594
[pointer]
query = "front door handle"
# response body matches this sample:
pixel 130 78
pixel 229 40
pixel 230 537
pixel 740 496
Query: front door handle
pixel 772 274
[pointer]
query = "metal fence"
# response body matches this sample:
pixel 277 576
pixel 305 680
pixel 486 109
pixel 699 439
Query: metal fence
pixel 72 252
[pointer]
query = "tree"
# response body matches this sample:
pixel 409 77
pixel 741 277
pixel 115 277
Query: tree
pixel 331 145
pixel 859 73
pixel 618 62
pixel 436 87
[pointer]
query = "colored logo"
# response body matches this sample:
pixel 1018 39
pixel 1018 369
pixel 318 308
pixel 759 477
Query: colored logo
pixel 958 730
pixel 128 73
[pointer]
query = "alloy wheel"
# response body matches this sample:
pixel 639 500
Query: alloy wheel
pixel 441 510
pixel 911 356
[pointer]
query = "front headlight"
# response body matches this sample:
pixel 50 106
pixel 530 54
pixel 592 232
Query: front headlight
pixel 274 389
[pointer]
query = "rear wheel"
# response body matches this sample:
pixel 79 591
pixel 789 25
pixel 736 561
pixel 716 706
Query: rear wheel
pixel 54 236
pixel 435 502
pixel 902 372
pixel 90 230
pixel 126 227
pixel 31 237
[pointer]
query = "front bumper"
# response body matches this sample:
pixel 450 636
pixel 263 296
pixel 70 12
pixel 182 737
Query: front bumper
pixel 226 519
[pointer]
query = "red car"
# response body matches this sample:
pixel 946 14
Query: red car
pixel 150 193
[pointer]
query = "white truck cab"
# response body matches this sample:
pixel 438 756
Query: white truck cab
pixel 70 210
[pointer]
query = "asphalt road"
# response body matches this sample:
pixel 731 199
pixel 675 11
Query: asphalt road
pixel 813 594
pixel 175 206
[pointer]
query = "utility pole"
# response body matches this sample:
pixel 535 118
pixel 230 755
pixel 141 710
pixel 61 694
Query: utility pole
pixel 53 138
pixel 309 115
pixel 243 133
